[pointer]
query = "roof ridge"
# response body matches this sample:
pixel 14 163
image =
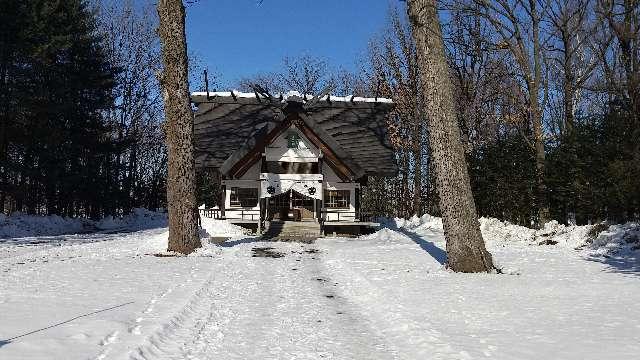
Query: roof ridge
pixel 293 94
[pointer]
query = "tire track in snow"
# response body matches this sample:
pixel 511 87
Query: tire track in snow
pixel 259 308
pixel 163 342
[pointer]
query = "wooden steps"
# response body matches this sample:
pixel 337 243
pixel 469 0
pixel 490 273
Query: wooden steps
pixel 302 231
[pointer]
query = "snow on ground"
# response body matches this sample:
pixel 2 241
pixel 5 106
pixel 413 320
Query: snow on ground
pixel 380 296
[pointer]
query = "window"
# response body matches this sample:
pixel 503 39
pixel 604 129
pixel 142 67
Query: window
pixel 336 199
pixel 293 141
pixel 244 197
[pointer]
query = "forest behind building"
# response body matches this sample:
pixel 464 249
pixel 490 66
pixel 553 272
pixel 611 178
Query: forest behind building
pixel 547 94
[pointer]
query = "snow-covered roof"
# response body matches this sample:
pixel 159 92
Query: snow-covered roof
pixel 293 94
pixel 229 125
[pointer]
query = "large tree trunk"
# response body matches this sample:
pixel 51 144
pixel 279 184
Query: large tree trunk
pixel 466 251
pixel 181 184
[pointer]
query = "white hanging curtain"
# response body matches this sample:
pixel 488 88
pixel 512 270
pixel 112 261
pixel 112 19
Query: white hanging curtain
pixel 272 187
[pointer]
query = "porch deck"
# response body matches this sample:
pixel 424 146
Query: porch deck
pixel 330 219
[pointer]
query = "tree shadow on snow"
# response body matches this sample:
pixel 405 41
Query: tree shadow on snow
pixel 435 252
pixel 618 264
pixel 9 340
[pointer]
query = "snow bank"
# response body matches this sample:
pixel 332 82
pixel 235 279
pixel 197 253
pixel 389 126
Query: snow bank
pixel 212 227
pixel 138 219
pixel 384 236
pixel 418 224
pixel 617 239
pixel 20 225
pixel 553 233
pixel 620 239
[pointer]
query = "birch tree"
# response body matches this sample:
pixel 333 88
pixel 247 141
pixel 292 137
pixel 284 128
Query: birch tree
pixel 466 250
pixel 181 182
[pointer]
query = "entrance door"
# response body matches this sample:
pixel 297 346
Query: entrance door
pixel 290 205
pixel 279 206
pixel 302 206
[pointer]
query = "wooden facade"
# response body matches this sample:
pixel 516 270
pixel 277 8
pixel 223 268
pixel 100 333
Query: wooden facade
pixel 292 157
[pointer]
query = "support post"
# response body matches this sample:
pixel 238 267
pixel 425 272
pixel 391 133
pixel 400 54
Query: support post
pixel 319 206
pixel 223 202
pixel 263 212
pixel 358 216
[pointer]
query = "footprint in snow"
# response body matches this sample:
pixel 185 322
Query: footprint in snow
pixel 80 336
pixel 103 355
pixel 110 339
pixel 135 330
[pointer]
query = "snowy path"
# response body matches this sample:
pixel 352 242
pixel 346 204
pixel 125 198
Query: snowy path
pixel 265 308
pixel 380 297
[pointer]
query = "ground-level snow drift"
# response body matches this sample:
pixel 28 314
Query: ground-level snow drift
pixel 381 296
pixel 22 225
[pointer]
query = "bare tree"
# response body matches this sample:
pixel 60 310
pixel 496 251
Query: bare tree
pixel 572 27
pixel 181 184
pixel 466 251
pixel 620 59
pixel 517 25
pixel 130 39
pixel 394 72
pixel 484 84
pixel 306 74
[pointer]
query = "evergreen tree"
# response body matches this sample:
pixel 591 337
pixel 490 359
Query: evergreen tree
pixel 60 85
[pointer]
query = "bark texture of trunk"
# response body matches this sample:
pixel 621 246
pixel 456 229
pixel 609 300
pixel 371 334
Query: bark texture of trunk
pixel 466 250
pixel 181 184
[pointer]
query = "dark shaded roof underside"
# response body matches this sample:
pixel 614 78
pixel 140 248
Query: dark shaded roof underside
pixel 224 125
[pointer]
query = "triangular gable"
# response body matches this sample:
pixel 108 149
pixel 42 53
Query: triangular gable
pixel 333 154
pixel 251 151
pixel 280 149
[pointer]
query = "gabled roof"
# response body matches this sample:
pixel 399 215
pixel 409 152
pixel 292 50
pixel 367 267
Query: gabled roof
pixel 229 125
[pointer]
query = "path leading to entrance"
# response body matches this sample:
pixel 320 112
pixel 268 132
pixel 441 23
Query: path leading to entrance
pixel 263 307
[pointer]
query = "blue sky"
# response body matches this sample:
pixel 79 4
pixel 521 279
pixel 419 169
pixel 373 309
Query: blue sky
pixel 240 38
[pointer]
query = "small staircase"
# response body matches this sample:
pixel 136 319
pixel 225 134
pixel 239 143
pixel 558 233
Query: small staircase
pixel 302 231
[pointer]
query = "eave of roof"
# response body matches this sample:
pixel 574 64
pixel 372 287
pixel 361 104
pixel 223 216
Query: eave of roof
pixel 217 96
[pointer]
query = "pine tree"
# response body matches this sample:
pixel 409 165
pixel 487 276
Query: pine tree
pixel 59 83
pixel 465 247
